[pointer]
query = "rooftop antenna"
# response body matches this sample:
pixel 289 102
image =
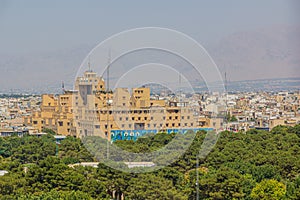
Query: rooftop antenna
pixel 89 63
pixel 225 81
pixel 63 87
pixel 107 71
pixel 180 91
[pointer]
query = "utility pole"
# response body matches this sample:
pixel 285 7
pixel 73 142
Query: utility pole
pixel 56 148
pixel 180 100
pixel 107 104
pixel 226 103
pixel 197 179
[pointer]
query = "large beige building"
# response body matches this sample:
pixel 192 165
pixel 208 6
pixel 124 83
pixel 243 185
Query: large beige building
pixel 93 110
pixel 56 112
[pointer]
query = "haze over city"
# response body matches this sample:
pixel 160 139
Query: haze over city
pixel 49 40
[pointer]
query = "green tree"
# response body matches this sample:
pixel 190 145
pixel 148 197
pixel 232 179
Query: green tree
pixel 269 190
pixel 149 186
pixel 49 131
pixel 71 150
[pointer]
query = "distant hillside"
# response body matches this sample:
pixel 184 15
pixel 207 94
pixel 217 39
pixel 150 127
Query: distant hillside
pixel 272 52
pixel 265 53
pixel 40 72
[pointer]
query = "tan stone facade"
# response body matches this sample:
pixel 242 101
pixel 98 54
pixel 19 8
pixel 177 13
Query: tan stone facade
pixel 91 110
pixel 55 113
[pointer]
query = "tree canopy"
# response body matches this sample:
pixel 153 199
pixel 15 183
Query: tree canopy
pixel 251 165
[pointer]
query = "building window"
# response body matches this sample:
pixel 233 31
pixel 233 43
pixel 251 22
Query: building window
pixel 60 123
pixel 34 122
pixel 182 117
pixel 173 124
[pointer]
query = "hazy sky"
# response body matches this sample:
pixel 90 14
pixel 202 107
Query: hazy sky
pixel 38 38
pixel 34 25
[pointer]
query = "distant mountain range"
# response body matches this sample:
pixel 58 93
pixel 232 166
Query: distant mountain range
pixel 269 53
pixel 267 85
pixel 273 52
